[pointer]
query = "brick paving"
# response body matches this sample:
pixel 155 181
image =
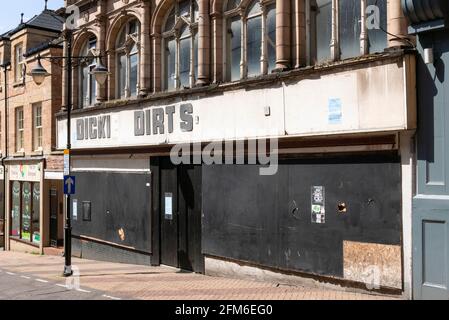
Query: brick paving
pixel 164 283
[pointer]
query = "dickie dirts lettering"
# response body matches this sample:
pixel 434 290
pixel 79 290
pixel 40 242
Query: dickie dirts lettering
pixel 154 121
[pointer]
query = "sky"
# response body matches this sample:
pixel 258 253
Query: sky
pixel 11 10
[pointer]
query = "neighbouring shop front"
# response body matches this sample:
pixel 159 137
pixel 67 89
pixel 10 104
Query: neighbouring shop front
pixel 336 208
pixel 29 202
pixel 25 190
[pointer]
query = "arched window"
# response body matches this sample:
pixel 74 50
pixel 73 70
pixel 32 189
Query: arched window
pixel 128 52
pixel 87 84
pixel 250 38
pixel 180 43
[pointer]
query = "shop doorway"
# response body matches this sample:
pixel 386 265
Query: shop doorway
pixel 54 238
pixel 180 216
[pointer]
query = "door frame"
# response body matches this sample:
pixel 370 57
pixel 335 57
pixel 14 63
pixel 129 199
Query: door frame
pixel 156 207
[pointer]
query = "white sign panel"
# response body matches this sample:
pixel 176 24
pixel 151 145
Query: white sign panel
pixel 346 102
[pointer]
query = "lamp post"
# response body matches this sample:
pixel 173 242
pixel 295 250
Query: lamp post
pixel 39 74
pixel 5 66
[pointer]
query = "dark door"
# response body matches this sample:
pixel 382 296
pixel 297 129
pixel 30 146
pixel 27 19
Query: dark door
pixel 53 217
pixel 180 216
pixel 169 214
pixel 189 193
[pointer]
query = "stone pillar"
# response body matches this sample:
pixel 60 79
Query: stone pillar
pixel 203 43
pixel 145 50
pixel 283 29
pixel 299 36
pixel 397 25
pixel 156 44
pixel 217 24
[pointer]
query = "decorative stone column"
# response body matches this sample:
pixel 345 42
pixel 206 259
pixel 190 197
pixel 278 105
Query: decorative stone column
pixel 283 29
pixel 397 25
pixel 145 50
pixel 217 50
pixel 300 30
pixel 203 43
pixel 156 44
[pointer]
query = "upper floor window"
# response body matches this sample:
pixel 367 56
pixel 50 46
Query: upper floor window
pixel 128 52
pixel 19 65
pixel 352 38
pixel 87 83
pixel 250 39
pixel 37 126
pixel 19 130
pixel 180 43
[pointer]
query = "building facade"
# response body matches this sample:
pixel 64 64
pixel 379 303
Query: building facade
pixel 430 202
pixel 323 89
pixel 32 166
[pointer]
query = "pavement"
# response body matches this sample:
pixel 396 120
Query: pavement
pixel 32 277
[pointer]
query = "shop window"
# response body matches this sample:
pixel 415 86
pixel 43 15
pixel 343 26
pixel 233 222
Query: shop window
pixel 245 33
pixel 19 130
pixel 87 83
pixel 35 216
pixel 16 212
pixel 128 53
pixel 180 43
pixel 37 126
pixel 25 216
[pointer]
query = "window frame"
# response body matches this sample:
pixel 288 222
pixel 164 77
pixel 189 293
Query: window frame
pixel 20 129
pixel 335 50
pixel 37 128
pixel 243 11
pixel 180 22
pixel 19 63
pixel 127 49
pixel 89 98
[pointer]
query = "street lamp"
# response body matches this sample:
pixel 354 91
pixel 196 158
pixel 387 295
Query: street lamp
pixel 39 74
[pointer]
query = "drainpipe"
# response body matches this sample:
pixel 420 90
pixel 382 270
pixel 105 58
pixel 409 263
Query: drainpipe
pixel 5 67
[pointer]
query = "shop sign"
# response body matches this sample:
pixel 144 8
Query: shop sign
pixel 25 172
